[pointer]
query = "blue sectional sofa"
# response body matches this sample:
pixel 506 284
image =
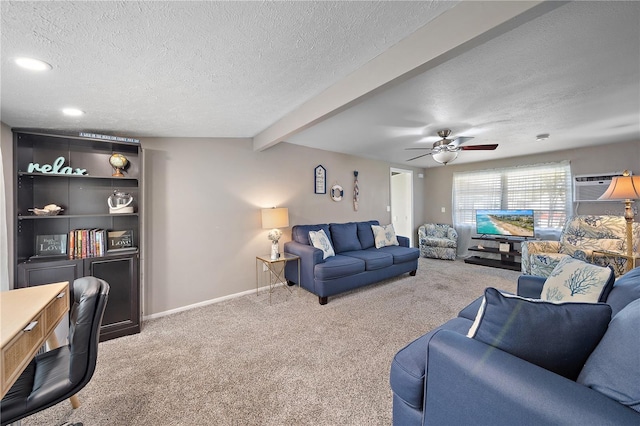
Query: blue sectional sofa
pixel 447 378
pixel 357 262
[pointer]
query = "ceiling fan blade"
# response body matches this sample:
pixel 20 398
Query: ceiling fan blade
pixel 409 149
pixel 460 140
pixel 419 156
pixel 489 147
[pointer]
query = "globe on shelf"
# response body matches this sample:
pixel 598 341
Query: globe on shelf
pixel 119 162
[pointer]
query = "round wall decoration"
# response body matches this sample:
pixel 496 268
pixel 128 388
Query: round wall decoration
pixel 336 192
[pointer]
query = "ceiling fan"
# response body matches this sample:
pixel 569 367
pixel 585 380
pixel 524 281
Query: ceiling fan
pixel 446 150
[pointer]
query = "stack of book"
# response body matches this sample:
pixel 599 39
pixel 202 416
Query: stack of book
pixel 85 243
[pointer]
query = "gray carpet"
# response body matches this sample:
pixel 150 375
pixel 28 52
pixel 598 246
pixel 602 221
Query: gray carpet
pixel 294 362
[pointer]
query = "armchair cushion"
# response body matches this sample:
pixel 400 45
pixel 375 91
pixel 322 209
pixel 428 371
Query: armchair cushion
pixel 556 336
pixel 573 280
pixel 613 368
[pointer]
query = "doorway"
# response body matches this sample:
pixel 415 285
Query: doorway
pixel 402 202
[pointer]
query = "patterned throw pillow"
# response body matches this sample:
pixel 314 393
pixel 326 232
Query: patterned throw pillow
pixel 556 336
pixel 384 235
pixel 573 280
pixel 320 240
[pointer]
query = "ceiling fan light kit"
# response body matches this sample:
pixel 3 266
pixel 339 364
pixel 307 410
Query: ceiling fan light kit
pixel 446 150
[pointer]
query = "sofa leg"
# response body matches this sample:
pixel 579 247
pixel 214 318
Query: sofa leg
pixel 323 300
pixel 290 283
pixel 413 273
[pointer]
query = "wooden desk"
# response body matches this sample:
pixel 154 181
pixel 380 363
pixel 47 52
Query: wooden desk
pixel 29 317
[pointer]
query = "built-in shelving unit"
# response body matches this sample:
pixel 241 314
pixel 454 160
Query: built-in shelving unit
pixel 84 200
pixel 505 259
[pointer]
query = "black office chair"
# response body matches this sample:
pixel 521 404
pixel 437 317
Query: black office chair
pixel 58 374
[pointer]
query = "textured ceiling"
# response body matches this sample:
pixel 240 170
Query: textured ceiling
pixel 232 69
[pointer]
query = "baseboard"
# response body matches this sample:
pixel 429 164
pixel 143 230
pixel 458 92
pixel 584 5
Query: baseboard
pixel 204 303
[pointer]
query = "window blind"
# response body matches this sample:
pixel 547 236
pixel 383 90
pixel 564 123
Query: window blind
pixel 544 188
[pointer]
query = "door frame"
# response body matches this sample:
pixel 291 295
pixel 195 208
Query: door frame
pixel 409 190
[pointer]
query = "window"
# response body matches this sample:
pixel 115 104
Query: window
pixel 545 188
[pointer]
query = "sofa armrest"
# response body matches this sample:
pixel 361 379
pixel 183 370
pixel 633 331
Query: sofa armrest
pixel 530 286
pixel 470 382
pixel 403 241
pixel 309 258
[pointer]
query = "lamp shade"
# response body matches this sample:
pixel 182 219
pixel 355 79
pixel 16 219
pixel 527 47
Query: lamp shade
pixel 623 187
pixel 275 218
pixel 445 156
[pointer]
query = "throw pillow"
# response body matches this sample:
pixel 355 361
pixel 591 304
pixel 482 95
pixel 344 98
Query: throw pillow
pixel 613 368
pixel 556 336
pixel 320 240
pixel 384 235
pixel 573 280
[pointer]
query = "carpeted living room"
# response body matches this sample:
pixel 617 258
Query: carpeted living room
pixel 247 362
pixel 320 212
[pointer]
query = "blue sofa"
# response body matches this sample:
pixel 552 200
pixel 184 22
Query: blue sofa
pixel 357 262
pixel 446 378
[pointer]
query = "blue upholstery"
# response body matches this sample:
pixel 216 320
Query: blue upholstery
pixel 357 262
pixel 471 382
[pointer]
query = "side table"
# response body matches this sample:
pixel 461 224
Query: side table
pixel 276 270
pixel 622 261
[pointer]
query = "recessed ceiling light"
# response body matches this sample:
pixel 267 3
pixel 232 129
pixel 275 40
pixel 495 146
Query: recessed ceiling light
pixel 72 112
pixel 542 137
pixel 33 64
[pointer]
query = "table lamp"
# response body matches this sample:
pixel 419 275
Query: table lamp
pixel 273 219
pixel 627 188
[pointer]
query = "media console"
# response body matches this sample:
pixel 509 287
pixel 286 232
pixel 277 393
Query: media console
pixel 506 250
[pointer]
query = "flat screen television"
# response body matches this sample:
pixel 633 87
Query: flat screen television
pixel 510 223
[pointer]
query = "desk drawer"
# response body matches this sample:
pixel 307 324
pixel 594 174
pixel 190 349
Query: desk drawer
pixel 55 311
pixel 19 352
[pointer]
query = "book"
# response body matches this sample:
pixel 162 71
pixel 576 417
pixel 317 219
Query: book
pixel 117 240
pixel 51 245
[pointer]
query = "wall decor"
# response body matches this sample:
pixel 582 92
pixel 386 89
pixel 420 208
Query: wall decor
pixel 108 137
pixel 51 245
pixel 320 180
pixel 356 191
pixel 55 168
pixel 336 192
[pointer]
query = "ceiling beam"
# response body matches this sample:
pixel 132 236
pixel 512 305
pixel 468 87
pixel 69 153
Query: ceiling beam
pixel 459 29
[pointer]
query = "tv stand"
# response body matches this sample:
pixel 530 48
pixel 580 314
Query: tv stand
pixel 508 254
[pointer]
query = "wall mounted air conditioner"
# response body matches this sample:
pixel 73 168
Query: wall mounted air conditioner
pixel 591 187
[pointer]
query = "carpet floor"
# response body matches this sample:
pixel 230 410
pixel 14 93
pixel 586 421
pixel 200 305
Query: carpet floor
pixel 292 362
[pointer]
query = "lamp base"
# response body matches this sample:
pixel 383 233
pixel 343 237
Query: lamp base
pixel 275 255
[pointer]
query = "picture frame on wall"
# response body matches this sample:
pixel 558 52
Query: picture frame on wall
pixel 320 180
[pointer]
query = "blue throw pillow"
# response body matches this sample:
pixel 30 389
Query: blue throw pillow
pixel 556 336
pixel 613 368
pixel 345 237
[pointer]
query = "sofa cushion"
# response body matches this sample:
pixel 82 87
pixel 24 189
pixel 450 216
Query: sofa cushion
pixel 408 365
pixel 573 280
pixel 345 237
pixel 338 266
pixel 613 368
pixel 400 254
pixel 384 235
pixel 625 290
pixel 320 241
pixel 300 233
pixel 372 259
pixel 556 336
pixel 365 234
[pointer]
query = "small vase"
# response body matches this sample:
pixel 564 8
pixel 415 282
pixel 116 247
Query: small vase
pixel 274 250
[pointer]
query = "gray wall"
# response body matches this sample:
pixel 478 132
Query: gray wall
pixel 598 159
pixel 202 210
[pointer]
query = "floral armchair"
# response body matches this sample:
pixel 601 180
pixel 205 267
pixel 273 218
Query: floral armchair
pixel 438 241
pixel 580 237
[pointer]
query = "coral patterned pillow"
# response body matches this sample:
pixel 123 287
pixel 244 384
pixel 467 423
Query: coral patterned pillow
pixel 573 280
pixel 384 235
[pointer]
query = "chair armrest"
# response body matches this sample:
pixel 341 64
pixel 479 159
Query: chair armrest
pixel 469 382
pixel 530 286
pixel 533 247
pixel 309 258
pixel 403 241
pixel 452 234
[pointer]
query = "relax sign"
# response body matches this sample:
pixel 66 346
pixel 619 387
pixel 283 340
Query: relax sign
pixel 55 168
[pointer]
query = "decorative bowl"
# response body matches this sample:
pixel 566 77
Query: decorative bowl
pixel 49 210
